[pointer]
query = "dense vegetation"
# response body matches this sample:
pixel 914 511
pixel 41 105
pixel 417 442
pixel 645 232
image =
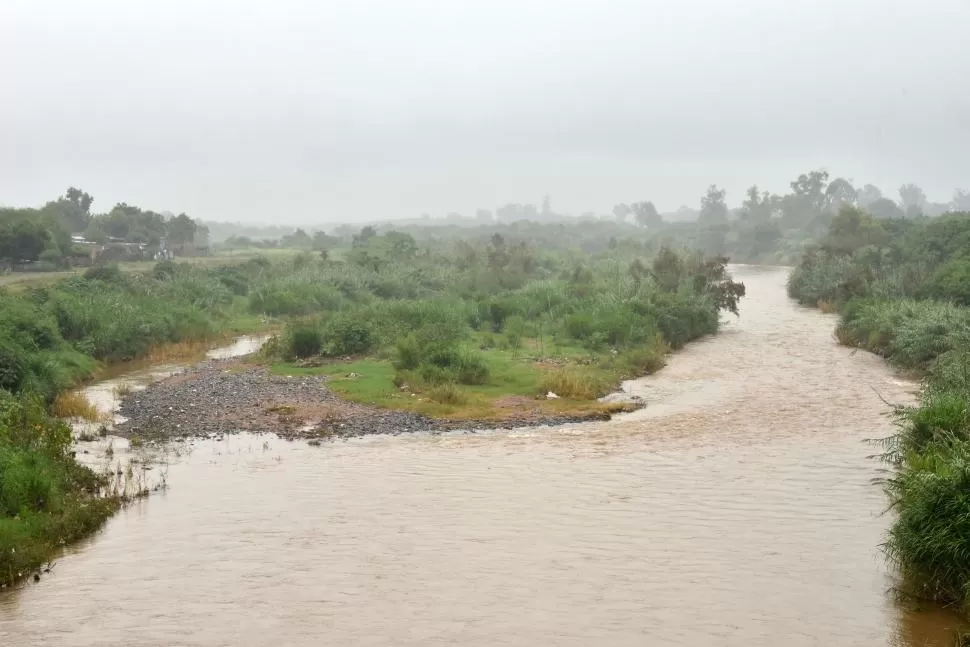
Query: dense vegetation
pixel 46 498
pixel 41 239
pixel 903 290
pixel 444 318
pixel 528 309
pixel 464 330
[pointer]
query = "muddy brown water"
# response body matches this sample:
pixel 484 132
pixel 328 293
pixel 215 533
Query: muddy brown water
pixel 736 509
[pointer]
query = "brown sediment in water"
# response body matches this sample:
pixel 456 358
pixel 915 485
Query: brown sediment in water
pixel 737 508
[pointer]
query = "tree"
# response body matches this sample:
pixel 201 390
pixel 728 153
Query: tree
pixel 201 238
pixel 365 234
pixel 181 230
pixel 646 214
pixel 713 208
pixel 912 200
pixel 885 209
pixel 323 242
pixel 811 188
pixel 299 239
pixel 22 240
pixel 757 206
pixel 400 246
pixel 852 229
pixel 81 200
pixel 72 211
pixel 867 195
pixel 620 212
pixel 840 193
pixel 961 200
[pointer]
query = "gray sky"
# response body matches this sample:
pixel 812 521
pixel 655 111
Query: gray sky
pixel 313 112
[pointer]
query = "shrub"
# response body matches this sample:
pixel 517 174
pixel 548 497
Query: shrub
pixel 347 335
pixel 13 365
pixel 107 273
pixel 52 258
pixel 930 539
pixel 305 340
pixel 951 281
pixel 164 269
pixel 581 384
pixel 646 359
pixel 447 393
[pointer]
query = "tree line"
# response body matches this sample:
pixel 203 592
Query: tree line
pixel 51 236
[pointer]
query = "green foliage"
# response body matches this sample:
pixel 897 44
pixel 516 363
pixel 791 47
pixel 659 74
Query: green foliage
pixel 902 289
pixel 345 334
pixel 930 539
pixel 305 340
pixel 950 281
pixel 46 498
pixel 575 383
pixel 107 273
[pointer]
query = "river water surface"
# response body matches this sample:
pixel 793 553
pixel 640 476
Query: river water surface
pixel 736 509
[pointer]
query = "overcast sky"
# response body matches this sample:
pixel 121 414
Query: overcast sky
pixel 319 111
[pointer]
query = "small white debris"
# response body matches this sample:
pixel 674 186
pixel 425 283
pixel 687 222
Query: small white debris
pixel 551 396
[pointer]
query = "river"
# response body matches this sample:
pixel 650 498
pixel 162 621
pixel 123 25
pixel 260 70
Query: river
pixel 737 508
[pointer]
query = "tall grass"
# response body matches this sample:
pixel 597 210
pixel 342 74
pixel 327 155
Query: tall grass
pixel 72 404
pixel 46 498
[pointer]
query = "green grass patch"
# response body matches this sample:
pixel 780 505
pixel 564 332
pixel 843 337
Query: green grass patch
pixel 514 385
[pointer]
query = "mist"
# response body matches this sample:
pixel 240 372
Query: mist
pixel 314 112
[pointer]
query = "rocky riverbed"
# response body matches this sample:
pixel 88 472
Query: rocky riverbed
pixel 219 397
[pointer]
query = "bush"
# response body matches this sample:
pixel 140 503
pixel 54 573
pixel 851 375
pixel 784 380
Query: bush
pixel 52 258
pixel 581 384
pixel 683 318
pixel 951 281
pixel 164 270
pixel 13 365
pixel 305 340
pixel 107 273
pixel 441 363
pixel 447 393
pixel 930 540
pixel 646 359
pixel 347 335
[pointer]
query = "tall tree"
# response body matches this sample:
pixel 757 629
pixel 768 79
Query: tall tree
pixel 620 212
pixel 757 206
pixel 22 240
pixel 840 193
pixel 868 194
pixel 181 230
pixel 961 200
pixel 885 209
pixel 646 214
pixel 912 200
pixel 713 207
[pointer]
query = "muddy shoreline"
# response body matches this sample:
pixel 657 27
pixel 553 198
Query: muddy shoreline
pixel 226 396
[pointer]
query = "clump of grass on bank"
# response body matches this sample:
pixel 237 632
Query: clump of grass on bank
pixel 47 499
pixel 73 404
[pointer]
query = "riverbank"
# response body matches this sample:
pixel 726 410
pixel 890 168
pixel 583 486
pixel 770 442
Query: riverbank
pixel 47 499
pixel 909 312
